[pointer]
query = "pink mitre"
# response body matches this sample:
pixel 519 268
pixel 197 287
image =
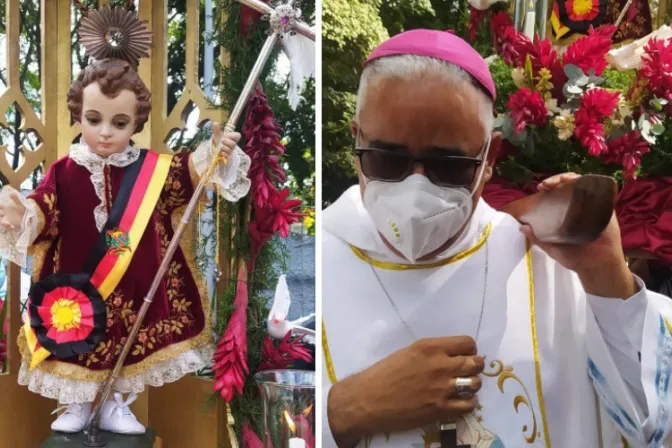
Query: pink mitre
pixel 441 45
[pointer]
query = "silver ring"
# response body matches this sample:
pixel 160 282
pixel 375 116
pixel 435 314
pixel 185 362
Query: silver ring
pixel 463 387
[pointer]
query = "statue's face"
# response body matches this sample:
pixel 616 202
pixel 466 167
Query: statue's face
pixel 108 123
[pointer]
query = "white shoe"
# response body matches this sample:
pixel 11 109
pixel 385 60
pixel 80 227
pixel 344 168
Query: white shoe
pixel 73 419
pixel 116 416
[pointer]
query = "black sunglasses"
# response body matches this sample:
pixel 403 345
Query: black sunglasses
pixel 392 166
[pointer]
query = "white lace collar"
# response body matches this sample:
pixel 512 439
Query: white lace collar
pixel 82 155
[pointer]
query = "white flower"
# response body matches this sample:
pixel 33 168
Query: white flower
pixel 565 124
pixel 552 106
pixel 519 78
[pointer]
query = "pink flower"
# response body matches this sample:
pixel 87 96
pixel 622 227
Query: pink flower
pixel 627 150
pixel 656 68
pixel 231 355
pixel 527 108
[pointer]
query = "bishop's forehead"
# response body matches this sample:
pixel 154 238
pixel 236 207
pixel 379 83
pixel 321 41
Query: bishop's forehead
pixel 431 105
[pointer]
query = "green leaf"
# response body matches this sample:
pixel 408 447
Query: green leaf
pixel 499 121
pixel 528 69
pixel 573 72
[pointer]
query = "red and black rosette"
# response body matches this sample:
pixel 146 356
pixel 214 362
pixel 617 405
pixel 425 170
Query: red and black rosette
pixel 67 314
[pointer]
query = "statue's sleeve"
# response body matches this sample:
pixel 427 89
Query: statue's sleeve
pixel 230 179
pixel 39 222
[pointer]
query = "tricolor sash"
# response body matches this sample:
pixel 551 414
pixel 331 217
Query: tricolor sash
pixel 66 313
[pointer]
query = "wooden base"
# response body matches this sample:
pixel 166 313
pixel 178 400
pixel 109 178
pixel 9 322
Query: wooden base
pixel 62 440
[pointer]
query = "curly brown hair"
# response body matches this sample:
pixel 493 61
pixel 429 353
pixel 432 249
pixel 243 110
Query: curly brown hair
pixel 113 76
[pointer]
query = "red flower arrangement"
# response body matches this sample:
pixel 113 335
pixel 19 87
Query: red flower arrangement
pixel 590 52
pixel 627 150
pixel 527 108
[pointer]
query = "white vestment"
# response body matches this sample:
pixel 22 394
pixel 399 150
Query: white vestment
pixel 550 349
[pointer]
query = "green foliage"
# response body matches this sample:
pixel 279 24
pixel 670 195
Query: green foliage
pixel 617 80
pixel 501 74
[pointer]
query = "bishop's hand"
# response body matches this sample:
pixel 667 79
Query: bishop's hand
pixel 412 388
pixel 600 264
pixel 11 211
pixel 228 140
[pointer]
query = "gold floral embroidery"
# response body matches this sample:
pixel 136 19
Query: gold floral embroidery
pixel 503 373
pixel 50 200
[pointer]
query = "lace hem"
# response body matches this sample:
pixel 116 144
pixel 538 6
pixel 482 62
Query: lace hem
pixel 68 391
pixel 231 179
pixel 14 243
pixel 82 155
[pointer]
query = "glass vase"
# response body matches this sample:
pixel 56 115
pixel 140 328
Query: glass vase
pixel 288 398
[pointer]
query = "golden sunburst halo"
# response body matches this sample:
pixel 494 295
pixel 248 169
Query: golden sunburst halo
pixel 115 33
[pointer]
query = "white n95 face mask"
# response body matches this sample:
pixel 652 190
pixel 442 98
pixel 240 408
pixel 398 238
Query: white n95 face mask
pixel 416 216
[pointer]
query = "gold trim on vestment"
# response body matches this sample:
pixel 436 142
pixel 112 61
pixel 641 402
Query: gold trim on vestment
pixel 327 356
pixel 202 339
pixel 535 345
pixel 405 267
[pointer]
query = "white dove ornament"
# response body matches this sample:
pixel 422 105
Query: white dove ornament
pixel 278 325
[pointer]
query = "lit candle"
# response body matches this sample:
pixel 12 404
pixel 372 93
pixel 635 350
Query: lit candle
pixel 529 25
pixel 295 442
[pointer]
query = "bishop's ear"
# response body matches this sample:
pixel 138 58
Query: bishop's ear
pixel 493 154
pixel 354 128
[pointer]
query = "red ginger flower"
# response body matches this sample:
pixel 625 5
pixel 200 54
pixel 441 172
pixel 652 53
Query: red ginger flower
pixel 598 104
pixel 514 47
pixel 627 150
pixel 656 69
pixel 545 56
pixel 498 25
pixel 262 135
pixel 250 438
pixel 591 135
pixel 589 52
pixel 231 355
pixel 476 16
pixel 275 216
pixel 288 350
pixel 527 107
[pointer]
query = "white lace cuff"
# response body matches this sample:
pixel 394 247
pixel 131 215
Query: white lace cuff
pixel 14 243
pixel 230 179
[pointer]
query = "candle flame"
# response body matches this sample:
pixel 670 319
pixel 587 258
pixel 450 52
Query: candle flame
pixel 290 422
pixel 307 410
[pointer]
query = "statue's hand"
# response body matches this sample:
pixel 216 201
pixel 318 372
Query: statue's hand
pixel 228 140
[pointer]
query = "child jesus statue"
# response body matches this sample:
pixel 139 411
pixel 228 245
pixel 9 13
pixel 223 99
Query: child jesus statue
pixel 97 228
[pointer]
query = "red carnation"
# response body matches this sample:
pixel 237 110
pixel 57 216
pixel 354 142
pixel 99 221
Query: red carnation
pixel 627 150
pixel 589 52
pixel 527 107
pixel 598 104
